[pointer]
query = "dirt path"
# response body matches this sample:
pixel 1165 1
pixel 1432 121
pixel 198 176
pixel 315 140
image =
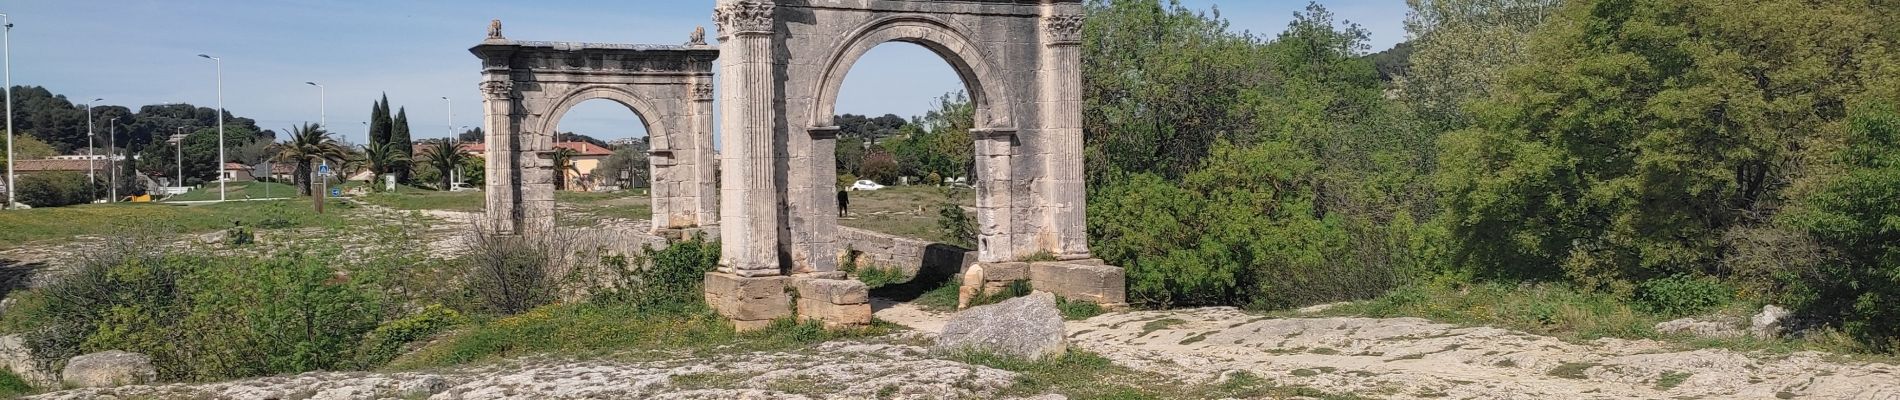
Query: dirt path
pixel 1410 358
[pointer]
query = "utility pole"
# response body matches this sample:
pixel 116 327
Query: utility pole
pixel 178 142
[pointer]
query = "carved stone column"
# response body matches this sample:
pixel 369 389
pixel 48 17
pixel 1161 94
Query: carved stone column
pixel 749 209
pixel 814 219
pixel 705 189
pixel 1064 231
pixel 503 179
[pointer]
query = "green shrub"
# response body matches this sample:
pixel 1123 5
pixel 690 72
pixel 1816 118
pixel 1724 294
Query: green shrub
pixel 877 277
pixel 54 189
pixel 387 341
pixel 1678 296
pixel 205 318
pixel 955 224
pixel 11 385
pixel 1077 310
pixel 668 280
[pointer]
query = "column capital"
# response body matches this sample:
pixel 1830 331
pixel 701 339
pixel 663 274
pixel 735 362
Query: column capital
pixel 498 90
pixel 702 92
pixel 744 17
pixel 1062 29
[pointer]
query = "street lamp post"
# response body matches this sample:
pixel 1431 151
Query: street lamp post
pixel 178 141
pixel 323 105
pixel 91 178
pixel 9 89
pixel 112 137
pixel 220 166
pixel 451 125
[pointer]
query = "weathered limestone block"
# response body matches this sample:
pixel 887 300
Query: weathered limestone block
pixel 833 300
pixel 108 369
pixel 833 291
pixel 1084 281
pixel 751 302
pixel 1028 327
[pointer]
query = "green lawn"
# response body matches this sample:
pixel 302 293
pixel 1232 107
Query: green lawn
pixel 238 190
pixel 909 211
pixel 63 223
pixel 428 200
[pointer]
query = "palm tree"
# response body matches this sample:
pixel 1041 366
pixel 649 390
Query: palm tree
pixel 563 162
pixel 384 159
pixel 309 144
pixel 445 155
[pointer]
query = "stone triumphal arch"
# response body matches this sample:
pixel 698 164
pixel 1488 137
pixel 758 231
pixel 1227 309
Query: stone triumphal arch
pixel 780 66
pixel 527 87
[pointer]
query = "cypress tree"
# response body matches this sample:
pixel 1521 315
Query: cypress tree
pixel 399 134
pixel 379 122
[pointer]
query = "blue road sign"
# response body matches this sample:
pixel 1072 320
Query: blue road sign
pixel 323 169
pixel 336 192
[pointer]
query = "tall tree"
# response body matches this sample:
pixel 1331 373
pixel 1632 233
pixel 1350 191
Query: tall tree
pixel 1638 134
pixel 563 164
pixel 309 144
pixel 379 122
pixel 1461 50
pixel 382 160
pixel 399 136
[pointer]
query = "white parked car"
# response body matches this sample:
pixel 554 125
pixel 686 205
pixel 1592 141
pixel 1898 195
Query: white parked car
pixel 866 185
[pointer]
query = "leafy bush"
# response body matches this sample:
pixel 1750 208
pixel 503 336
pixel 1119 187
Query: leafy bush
pixel 387 340
pixel 1855 214
pixel 668 280
pixel 957 225
pixel 206 318
pixel 1678 296
pixel 11 385
pixel 54 189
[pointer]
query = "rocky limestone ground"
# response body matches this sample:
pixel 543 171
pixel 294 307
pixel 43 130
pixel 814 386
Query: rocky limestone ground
pixel 1413 358
pixel 1395 358
pixel 835 370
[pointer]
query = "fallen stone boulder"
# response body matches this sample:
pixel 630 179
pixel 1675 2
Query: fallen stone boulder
pixel 1767 323
pixel 1027 327
pixel 1715 329
pixel 108 369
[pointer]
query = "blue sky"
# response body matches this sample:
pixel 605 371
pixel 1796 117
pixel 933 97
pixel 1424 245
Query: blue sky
pixel 137 52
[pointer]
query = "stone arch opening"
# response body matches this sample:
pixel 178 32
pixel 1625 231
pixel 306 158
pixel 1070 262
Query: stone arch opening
pixel 604 145
pixel 529 87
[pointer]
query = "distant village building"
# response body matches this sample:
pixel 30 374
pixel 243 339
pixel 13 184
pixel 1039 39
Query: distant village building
pixel 236 172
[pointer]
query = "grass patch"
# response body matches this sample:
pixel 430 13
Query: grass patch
pixel 1077 310
pixel 877 277
pixel 908 211
pixel 66 223
pixel 428 200
pixel 238 190
pixel 1160 324
pixel 941 299
pixel 11 385
pixel 1672 379
pixel 1572 370
pixel 584 330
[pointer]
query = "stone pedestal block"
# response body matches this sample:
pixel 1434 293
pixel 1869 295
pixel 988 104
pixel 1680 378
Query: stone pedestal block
pixel 837 303
pixel 751 302
pixel 1087 280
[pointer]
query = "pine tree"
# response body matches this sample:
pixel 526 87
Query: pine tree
pixel 399 135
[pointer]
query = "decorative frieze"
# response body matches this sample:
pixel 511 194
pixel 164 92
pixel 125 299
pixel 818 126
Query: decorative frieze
pixel 702 92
